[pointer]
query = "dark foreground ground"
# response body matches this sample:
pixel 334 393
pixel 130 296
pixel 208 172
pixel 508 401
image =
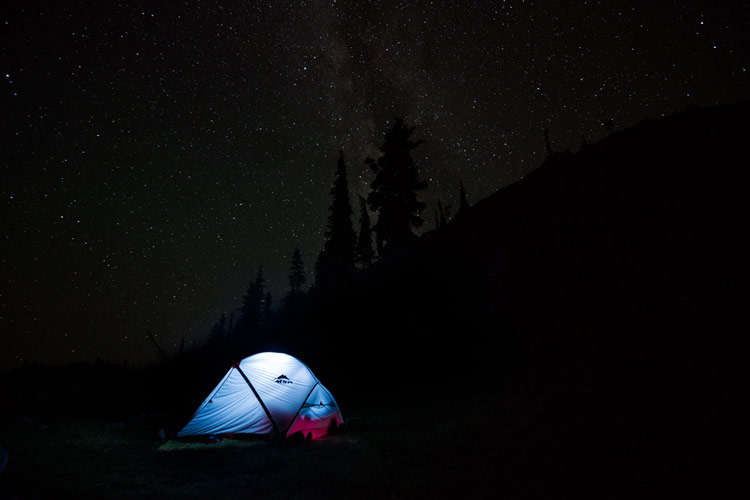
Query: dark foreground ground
pixel 459 447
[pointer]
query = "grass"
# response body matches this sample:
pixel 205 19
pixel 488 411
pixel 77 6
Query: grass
pixel 89 459
pixel 439 449
pixel 387 452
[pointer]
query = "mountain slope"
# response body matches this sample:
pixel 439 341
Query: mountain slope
pixel 627 246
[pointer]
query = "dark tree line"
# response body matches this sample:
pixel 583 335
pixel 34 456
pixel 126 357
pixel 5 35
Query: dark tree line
pixel 393 197
pixel 394 201
pixel 253 308
pixel 394 190
pixel 364 254
pixel 335 262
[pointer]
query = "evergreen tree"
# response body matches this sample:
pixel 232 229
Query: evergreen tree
pixel 218 331
pixel 320 268
pixel 394 190
pixel 364 242
pixel 267 311
pixel 463 200
pixel 251 310
pixel 297 277
pixel 336 261
pixel 445 214
pixel 547 144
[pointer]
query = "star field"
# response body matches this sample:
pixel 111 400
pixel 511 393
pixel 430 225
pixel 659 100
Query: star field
pixel 154 154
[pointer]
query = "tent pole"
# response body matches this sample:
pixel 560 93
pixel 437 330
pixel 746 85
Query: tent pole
pixel 300 407
pixel 262 404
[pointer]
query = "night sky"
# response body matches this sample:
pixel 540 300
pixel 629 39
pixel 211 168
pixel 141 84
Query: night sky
pixel 155 153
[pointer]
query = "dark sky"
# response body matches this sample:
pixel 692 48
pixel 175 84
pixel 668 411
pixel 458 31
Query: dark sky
pixel 155 153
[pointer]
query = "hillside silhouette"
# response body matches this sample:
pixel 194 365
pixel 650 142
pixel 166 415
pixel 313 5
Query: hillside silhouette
pixel 625 248
pixel 606 280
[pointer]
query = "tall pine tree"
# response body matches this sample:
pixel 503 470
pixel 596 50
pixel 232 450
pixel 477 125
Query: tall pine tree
pixel 252 308
pixel 463 200
pixel 394 190
pixel 364 241
pixel 267 316
pixel 297 277
pixel 445 214
pixel 218 331
pixel 295 299
pixel 336 261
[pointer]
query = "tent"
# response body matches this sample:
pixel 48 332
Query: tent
pixel 266 393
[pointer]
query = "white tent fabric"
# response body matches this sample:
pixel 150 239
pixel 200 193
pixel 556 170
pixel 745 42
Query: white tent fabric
pixel 266 392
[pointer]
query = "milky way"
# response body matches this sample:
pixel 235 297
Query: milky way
pixel 154 154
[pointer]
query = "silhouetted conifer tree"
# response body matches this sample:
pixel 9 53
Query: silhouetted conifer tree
pixel 251 310
pixel 547 143
pixel 267 311
pixel 297 280
pixel 364 242
pixel 336 262
pixel 463 200
pixel 320 268
pixel 218 331
pixel 297 277
pixel 444 214
pixel 394 190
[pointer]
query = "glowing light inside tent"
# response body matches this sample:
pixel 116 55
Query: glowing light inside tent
pixel 265 393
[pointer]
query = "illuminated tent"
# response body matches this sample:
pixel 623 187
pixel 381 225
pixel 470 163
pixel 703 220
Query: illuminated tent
pixel 266 393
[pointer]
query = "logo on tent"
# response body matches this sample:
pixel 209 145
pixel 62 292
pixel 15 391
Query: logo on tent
pixel 282 379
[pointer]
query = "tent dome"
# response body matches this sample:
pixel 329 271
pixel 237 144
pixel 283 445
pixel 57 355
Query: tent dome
pixel 269 392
